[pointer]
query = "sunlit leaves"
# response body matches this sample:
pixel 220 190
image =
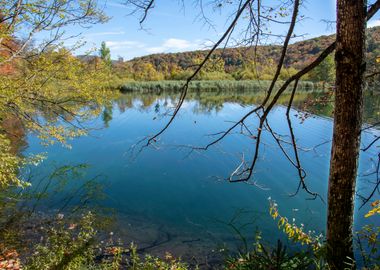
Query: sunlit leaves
pixel 375 209
pixel 8 164
pixel 293 231
pixel 368 239
pixel 52 94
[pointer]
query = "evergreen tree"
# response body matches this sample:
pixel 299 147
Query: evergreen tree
pixel 105 53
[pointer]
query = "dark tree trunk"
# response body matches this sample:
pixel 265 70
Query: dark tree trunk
pixel 350 67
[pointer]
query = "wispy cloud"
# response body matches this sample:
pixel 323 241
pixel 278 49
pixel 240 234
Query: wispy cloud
pixel 374 23
pixel 174 43
pixel 125 44
pixel 155 49
pixel 177 45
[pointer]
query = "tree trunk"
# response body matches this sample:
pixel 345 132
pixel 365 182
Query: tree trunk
pixel 350 67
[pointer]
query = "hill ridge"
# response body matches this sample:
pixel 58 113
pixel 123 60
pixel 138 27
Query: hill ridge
pixel 299 53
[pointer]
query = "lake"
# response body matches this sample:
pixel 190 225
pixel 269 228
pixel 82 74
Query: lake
pixel 169 198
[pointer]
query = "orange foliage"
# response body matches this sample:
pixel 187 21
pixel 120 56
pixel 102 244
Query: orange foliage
pixel 6 48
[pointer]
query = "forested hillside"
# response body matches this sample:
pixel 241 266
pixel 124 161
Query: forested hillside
pixel 241 63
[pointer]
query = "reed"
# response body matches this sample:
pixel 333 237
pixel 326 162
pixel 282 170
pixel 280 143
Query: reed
pixel 210 86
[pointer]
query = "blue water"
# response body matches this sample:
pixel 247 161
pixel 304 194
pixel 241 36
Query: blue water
pixel 167 188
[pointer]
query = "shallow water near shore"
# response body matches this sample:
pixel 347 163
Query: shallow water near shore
pixel 167 197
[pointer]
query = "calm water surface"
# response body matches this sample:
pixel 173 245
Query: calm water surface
pixel 169 198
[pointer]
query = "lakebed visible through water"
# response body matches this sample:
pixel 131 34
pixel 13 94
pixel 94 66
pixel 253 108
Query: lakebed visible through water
pixel 167 197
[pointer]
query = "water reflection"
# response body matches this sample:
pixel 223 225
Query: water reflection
pixel 166 199
pixel 315 102
pixel 13 127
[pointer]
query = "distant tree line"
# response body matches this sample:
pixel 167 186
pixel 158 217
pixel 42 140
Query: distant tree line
pixel 239 63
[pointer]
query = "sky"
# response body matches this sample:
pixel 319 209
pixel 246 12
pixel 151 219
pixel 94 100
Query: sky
pixel 174 27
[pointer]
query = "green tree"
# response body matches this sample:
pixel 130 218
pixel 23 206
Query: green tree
pixel 38 70
pixel 212 70
pixel 105 53
pixel 325 71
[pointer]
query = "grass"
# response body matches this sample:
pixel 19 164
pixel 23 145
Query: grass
pixel 208 86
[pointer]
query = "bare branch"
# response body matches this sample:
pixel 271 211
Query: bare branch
pixel 186 85
pixel 365 200
pixel 146 10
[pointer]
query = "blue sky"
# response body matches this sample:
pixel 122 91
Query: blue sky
pixel 172 27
